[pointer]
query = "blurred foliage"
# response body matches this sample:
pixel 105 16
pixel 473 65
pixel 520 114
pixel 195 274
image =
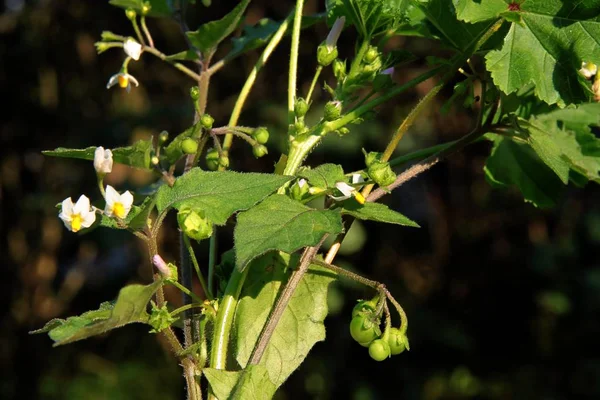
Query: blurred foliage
pixel 503 299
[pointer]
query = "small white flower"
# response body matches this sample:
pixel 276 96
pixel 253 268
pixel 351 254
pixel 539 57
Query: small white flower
pixel 349 191
pixel 103 161
pixel 123 79
pixel 301 183
pixel 132 48
pixel 335 32
pixel 117 205
pixel 588 69
pixel 78 215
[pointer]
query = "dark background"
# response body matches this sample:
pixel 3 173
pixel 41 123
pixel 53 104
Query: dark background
pixel 503 298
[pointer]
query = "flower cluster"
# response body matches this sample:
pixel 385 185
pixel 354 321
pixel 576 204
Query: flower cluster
pixel 133 50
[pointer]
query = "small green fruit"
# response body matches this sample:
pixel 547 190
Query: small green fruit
pixel 300 107
pixel 212 159
pixel 326 54
pixel 195 93
pixel 381 173
pixel 332 110
pixel 189 146
pixel 163 137
pixel 379 350
pixel 339 69
pixel 194 223
pixel 371 55
pixel 261 135
pixel 397 341
pixel 259 150
pixel 364 308
pixel 364 329
pixel 207 121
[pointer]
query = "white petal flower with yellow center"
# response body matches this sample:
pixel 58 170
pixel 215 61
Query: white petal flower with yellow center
pixel 588 69
pixel 103 161
pixel 132 48
pixel 349 190
pixel 78 215
pixel 117 205
pixel 123 79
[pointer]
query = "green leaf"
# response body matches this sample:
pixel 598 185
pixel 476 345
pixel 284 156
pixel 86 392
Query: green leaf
pixel 209 35
pixel 547 149
pixel 252 383
pixel 186 55
pixel 280 223
pixel 129 307
pixel 219 193
pixel 324 176
pixel 370 17
pixel 138 155
pixel 159 8
pixel 516 164
pixel 301 324
pixel 479 10
pixel 376 212
pixel 547 48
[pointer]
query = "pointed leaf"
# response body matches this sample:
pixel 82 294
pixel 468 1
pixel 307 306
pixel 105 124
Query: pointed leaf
pixel 546 148
pixel 547 48
pixel 376 212
pixel 481 10
pixel 129 307
pixel 219 194
pixel 301 324
pixel 324 176
pixel 137 155
pixel 251 383
pixel 279 223
pixel 209 35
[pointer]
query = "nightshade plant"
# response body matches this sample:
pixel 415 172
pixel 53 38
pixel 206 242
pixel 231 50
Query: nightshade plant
pixel 527 67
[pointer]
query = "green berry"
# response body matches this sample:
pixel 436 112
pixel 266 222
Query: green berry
pixel 212 159
pixel 339 69
pixel 194 223
pixel 189 146
pixel 371 54
pixel 332 111
pixel 364 307
pixel 195 93
pixel 397 341
pixel 259 150
pixel 261 135
pixel 163 137
pixel 379 350
pixel 300 107
pixel 207 121
pixel 381 173
pixel 130 13
pixel 364 329
pixel 326 54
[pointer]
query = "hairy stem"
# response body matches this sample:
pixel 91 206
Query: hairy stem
pixel 146 31
pixel 212 259
pixel 293 73
pixel 179 66
pixel 192 255
pixel 313 83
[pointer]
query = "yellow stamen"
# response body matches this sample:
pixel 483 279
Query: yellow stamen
pixel 359 197
pixel 76 222
pixel 119 210
pixel 123 81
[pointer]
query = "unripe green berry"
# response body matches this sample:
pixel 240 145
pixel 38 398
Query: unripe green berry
pixel 206 3
pixel 212 159
pixel 364 308
pixel 259 150
pixel 154 160
pixel 163 137
pixel 261 135
pixel 381 173
pixel 195 93
pixel 397 341
pixel 146 7
pixel 371 157
pixel 189 146
pixel 300 107
pixel 332 111
pixel 207 121
pixel 371 54
pixel 339 69
pixel 326 54
pixel 130 14
pixel 194 223
pixel 364 329
pixel 379 350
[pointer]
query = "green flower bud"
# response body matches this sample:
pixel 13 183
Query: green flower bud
pixel 130 14
pixel 381 173
pixel 110 37
pixel 261 135
pixel 259 150
pixel 299 189
pixel 371 157
pixel 224 161
pixel 207 121
pixel 194 224
pixel 332 111
pixel 163 137
pixel 379 350
pixel 146 7
pixel 195 93
pixel 299 127
pixel 398 342
pixel 301 107
pixel 160 318
pixel 212 159
pixel 101 47
pixel 154 160
pixel 339 69
pixel 343 131
pixel 189 146
pixel 326 54
pixel 371 55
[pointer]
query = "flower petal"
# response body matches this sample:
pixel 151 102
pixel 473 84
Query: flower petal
pixel 82 207
pixel 67 206
pixel 112 81
pixel 345 188
pixel 88 219
pixel 127 201
pixel 132 48
pixel 132 79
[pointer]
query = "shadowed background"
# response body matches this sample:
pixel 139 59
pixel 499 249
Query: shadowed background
pixel 503 299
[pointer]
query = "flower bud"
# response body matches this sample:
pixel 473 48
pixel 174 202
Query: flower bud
pixel 160 318
pixel 371 55
pixel 212 159
pixel 261 135
pixel 132 48
pixel 146 7
pixel 381 173
pixel 300 107
pixel 588 69
pixel 332 111
pixel 371 157
pixel 154 160
pixel 339 69
pixel 103 161
pixel 299 189
pixel 101 47
pixel 163 137
pixel 110 37
pixel 161 265
pixel 383 80
pixel 194 223
pixel 326 55
pixel 224 161
pixel 189 146
pixel 259 150
pixel 207 121
pixel 130 14
pixel 195 93
pixel 343 131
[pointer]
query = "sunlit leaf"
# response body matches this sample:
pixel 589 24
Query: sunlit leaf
pixel 479 10
pixel 252 383
pixel 324 176
pixel 376 212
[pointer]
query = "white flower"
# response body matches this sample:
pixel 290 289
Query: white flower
pixel 103 160
pixel 117 205
pixel 123 79
pixel 161 265
pixel 132 48
pixel 301 183
pixel 349 191
pixel 588 70
pixel 77 216
pixel 335 32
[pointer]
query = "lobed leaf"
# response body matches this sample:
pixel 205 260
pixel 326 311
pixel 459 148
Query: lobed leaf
pixel 250 383
pixel 376 212
pixel 481 10
pixel 279 223
pixel 324 176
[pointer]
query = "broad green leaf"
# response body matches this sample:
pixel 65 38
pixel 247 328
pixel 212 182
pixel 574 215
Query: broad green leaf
pixel 129 307
pixel 479 10
pixel 370 17
pixel 159 8
pixel 547 48
pixel 516 164
pixel 138 155
pixel 173 150
pixel 301 324
pixel 588 114
pixel 209 35
pixel 376 212
pixel 279 223
pixel 546 148
pixel 219 193
pixel 324 176
pixel 251 383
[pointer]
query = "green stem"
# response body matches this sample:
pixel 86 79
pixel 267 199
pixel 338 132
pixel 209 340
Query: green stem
pixel 146 31
pixel 190 250
pixel 227 306
pixel 294 60
pixel 136 28
pixel 313 83
pixel 364 46
pixel 212 258
pixel 185 308
pixel 177 65
pixel 186 291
